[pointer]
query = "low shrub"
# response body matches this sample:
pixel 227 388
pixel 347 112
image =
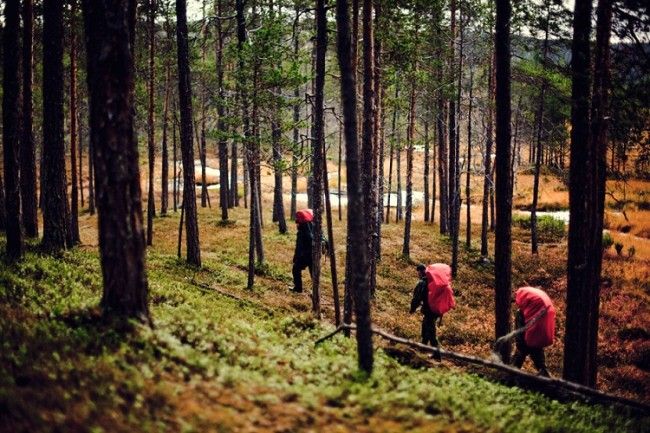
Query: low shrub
pixel 619 248
pixel 549 229
pixel 608 241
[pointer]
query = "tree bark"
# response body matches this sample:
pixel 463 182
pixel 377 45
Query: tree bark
pixel 368 142
pixel 10 129
pixel 319 163
pixel 378 158
pixel 175 158
pixel 3 209
pixel 452 165
pixel 91 177
pixel 357 249
pixel 109 36
pixel 392 150
pixel 221 113
pixel 503 239
pixel 296 120
pixel 74 193
pixel 151 144
pixel 406 248
pixel 442 137
pixel 457 172
pixel 599 131
pixel 540 121
pixel 427 160
pixel 187 150
pixel 29 201
pixel 55 210
pixel 468 228
pixel 487 166
pixel 164 174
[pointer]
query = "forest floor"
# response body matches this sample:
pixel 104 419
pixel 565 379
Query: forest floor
pixel 221 358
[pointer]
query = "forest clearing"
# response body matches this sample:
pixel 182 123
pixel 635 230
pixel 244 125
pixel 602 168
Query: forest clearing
pixel 325 216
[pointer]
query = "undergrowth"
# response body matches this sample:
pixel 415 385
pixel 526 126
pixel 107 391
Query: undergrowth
pixel 223 363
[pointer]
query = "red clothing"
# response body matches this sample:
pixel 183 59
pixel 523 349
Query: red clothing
pixel 532 302
pixel 441 294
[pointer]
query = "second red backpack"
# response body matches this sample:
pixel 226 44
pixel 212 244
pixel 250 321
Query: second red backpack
pixel 532 302
pixel 304 216
pixel 440 293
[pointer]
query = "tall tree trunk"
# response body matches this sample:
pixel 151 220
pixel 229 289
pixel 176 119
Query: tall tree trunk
pixel 339 167
pixel 109 41
pixel 187 150
pixel 587 178
pixel 597 159
pixel 3 209
pixel 441 133
pixel 319 163
pixel 398 205
pixel 151 144
pixel 427 160
pixel 452 193
pixel 393 142
pixel 278 198
pixel 378 159
pixel 74 193
pixel 249 146
pixel 368 141
pixel 55 210
pixel 27 146
pixel 406 250
pixel 296 120
pixel 330 236
pixel 468 229
pixel 81 159
pixel 10 129
pixel 205 199
pixel 175 157
pixel 487 165
pixel 357 249
pixel 221 113
pixel 540 122
pixel 433 177
pixel 91 175
pixel 457 172
pixel 164 174
pixel 503 239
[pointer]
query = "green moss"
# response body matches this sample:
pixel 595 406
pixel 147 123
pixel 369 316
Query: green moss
pixel 111 377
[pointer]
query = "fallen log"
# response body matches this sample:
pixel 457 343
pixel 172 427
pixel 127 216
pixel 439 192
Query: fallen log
pixel 546 385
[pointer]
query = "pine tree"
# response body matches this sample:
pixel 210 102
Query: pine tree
pixel 187 148
pixel 10 130
pixel 56 223
pixel 357 248
pixel 109 33
pixel 503 239
pixel 29 202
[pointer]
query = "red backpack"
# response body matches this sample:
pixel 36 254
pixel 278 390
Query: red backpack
pixel 304 216
pixel 532 301
pixel 440 293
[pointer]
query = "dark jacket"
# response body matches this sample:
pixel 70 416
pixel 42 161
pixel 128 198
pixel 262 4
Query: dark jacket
pixel 420 298
pixel 304 240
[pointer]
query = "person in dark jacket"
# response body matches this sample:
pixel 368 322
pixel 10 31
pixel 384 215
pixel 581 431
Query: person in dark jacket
pixel 302 257
pixel 523 350
pixel 420 299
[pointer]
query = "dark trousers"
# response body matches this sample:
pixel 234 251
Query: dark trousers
pixel 297 274
pixel 536 355
pixel 429 332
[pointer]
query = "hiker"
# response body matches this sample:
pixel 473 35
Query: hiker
pixel 435 294
pixel 536 319
pixel 302 257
